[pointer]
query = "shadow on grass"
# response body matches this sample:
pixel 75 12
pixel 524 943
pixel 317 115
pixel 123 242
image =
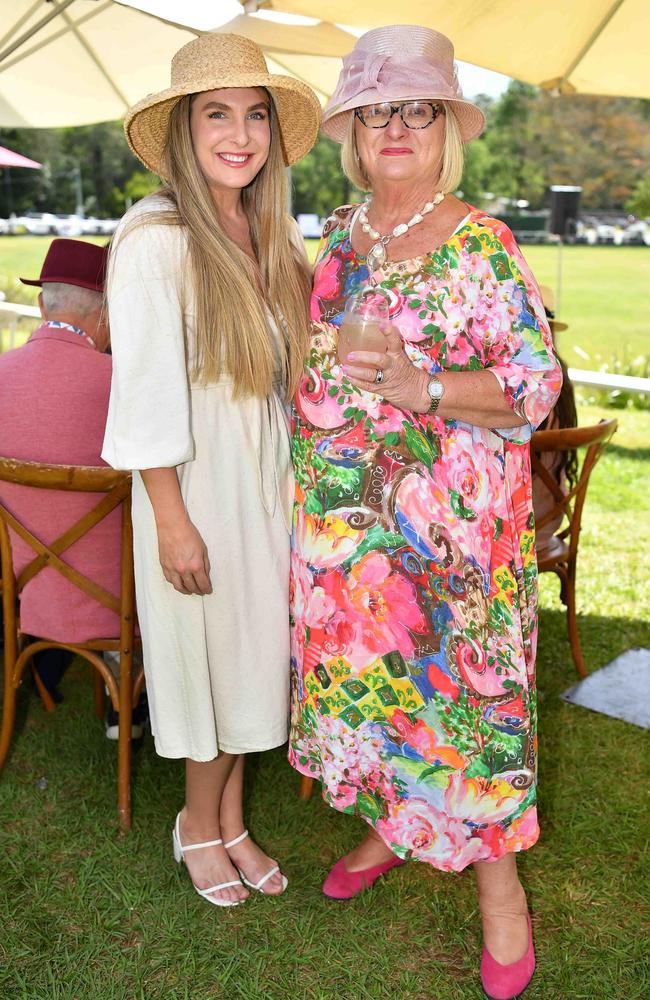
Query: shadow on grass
pixel 637 454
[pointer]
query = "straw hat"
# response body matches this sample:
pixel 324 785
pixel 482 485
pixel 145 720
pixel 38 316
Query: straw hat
pixel 548 301
pixel 400 62
pixel 212 62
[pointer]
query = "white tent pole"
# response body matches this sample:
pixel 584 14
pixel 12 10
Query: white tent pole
pixel 19 23
pixel 97 61
pixel 53 37
pixel 56 10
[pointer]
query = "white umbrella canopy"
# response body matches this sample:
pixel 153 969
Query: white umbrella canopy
pixel 588 46
pixel 86 64
pixel 77 62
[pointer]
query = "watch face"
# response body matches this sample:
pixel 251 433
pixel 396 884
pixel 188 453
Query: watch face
pixel 435 389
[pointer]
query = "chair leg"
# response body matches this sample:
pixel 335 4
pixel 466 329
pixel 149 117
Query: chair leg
pixel 8 713
pixel 48 702
pixel 572 621
pixel 124 740
pixel 306 787
pixel 99 694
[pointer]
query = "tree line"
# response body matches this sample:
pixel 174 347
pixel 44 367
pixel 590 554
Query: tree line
pixel 532 140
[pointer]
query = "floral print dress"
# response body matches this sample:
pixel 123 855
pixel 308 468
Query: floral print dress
pixel 413 583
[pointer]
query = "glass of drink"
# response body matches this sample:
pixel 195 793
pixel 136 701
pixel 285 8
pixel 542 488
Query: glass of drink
pixel 361 327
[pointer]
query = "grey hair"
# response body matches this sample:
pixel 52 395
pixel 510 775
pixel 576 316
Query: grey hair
pixel 60 298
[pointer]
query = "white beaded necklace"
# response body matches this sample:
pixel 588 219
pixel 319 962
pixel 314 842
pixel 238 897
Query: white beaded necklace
pixel 376 256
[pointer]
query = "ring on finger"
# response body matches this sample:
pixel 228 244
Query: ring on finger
pixel 379 377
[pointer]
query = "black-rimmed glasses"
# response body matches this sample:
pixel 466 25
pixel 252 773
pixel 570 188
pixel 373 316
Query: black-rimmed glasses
pixel 414 114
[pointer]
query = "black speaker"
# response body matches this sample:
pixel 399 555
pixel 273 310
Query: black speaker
pixel 565 204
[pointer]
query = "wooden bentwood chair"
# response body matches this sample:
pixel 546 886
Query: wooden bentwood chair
pixel 18 650
pixel 561 554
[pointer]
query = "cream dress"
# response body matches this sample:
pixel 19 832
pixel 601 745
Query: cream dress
pixel 217 667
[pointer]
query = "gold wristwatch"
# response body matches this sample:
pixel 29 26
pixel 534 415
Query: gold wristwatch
pixel 436 391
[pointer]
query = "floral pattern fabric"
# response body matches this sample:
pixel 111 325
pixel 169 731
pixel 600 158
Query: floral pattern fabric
pixel 413 582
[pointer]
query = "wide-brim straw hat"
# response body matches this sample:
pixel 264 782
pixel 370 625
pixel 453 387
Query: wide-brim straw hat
pixel 400 62
pixel 213 62
pixel 548 301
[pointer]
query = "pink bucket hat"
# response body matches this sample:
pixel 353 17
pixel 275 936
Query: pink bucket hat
pixel 400 62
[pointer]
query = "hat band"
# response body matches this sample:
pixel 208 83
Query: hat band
pixel 391 78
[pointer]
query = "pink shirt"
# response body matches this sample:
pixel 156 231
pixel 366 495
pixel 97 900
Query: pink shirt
pixel 53 403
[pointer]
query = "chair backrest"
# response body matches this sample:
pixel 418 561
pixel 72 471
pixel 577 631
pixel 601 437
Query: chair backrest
pixel 569 502
pixel 116 489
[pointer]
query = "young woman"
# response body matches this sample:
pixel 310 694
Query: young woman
pixel 207 293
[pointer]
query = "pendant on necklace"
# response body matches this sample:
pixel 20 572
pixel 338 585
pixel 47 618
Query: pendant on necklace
pixel 376 257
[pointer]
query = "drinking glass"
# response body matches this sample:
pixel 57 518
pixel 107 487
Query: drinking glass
pixel 361 327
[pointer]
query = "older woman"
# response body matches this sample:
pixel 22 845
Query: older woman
pixel 414 577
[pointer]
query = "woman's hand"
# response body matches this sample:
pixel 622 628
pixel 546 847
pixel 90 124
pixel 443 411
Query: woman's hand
pixel 182 552
pixel 402 383
pixel 184 557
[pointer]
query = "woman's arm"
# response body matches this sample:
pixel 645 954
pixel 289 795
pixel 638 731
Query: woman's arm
pixel 182 552
pixel 475 397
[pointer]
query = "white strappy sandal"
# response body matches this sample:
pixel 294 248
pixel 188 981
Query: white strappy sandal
pixel 257 886
pixel 180 851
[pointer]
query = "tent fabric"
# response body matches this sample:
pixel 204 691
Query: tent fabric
pixel 98 57
pixel 588 46
pixel 94 58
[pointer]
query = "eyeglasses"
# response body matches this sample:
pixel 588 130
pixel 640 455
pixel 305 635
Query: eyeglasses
pixel 414 114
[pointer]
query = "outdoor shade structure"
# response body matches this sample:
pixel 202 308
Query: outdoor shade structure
pixel 10 159
pixel 76 62
pixel 564 46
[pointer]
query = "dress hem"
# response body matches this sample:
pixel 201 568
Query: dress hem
pixel 174 754
pixel 406 853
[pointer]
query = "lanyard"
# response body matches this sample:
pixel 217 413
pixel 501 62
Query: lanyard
pixel 56 324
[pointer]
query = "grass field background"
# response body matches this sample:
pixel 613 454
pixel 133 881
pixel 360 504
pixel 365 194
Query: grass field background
pixel 605 294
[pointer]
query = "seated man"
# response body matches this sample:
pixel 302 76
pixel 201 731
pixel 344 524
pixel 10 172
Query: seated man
pixel 53 404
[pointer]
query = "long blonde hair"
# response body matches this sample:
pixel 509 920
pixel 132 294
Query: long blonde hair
pixel 231 293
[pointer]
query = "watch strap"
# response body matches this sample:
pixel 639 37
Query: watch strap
pixel 435 400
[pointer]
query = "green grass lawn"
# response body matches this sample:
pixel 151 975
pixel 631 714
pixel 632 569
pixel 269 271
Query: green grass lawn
pixel 89 915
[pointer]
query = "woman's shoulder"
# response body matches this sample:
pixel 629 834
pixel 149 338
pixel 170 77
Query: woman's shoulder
pixel 339 219
pixel 488 229
pixel 149 224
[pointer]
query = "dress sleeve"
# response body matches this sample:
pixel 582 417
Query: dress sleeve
pixel 519 352
pixel 149 416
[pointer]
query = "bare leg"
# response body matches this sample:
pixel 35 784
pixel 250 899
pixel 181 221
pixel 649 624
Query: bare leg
pixel 205 783
pixel 503 906
pixel 250 858
pixel 370 852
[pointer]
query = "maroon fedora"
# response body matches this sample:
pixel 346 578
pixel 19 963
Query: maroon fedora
pixel 73 262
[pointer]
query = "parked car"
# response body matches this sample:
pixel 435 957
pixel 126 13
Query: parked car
pixel 637 233
pixel 67 225
pixel 310 226
pixel 34 223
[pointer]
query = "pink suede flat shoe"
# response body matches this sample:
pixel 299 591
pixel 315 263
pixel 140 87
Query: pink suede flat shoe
pixel 504 982
pixel 342 884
